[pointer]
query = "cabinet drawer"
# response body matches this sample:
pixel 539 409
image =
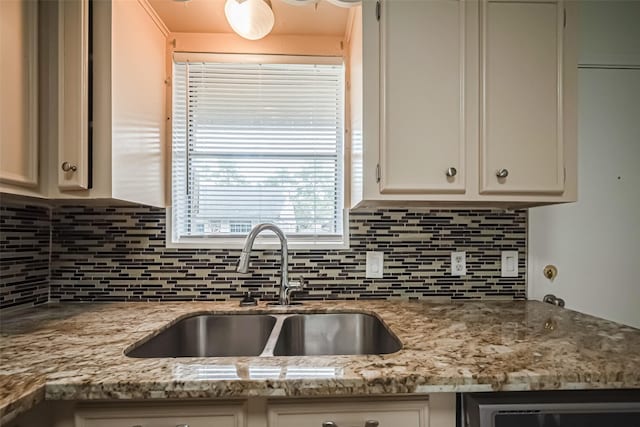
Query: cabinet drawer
pixel 411 413
pixel 156 416
pixel 205 421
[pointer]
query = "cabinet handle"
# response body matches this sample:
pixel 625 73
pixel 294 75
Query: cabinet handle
pixel 502 173
pixel 451 172
pixel 371 423
pixel 329 424
pixel 182 425
pixel 68 167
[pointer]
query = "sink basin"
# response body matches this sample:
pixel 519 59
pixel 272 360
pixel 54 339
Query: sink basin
pixel 334 334
pixel 228 335
pixel 209 336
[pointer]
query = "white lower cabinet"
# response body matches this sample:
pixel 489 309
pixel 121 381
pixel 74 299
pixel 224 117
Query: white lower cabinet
pixel 436 410
pixel 180 415
pixel 411 413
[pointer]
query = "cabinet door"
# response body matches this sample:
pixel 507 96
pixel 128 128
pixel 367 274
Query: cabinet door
pixel 521 102
pixel 422 78
pixel 356 414
pixel 73 95
pixel 19 89
pixel 182 415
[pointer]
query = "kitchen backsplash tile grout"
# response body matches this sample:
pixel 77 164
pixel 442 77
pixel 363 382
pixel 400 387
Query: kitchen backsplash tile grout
pixel 118 253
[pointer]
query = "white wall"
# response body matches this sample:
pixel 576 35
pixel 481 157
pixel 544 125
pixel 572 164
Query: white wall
pixel 595 243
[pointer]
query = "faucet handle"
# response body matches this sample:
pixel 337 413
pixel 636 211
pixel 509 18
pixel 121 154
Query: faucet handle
pixel 248 300
pixel 287 289
pixel 296 285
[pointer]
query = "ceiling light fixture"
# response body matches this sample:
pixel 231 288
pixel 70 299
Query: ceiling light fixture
pixel 345 3
pixel 339 3
pixel 251 19
pixel 301 2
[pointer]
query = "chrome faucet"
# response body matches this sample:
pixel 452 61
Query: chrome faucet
pixel 286 287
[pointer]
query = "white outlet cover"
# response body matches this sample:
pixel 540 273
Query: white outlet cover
pixel 458 263
pixel 509 264
pixel 375 265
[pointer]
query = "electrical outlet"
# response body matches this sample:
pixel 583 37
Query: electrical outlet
pixel 375 265
pixel 458 263
pixel 509 264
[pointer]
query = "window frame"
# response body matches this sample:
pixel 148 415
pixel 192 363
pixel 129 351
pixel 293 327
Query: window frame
pixel 268 240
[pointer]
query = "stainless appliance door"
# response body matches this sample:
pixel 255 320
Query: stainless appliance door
pixel 553 409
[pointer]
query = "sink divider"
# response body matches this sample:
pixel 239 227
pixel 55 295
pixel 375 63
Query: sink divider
pixel 275 334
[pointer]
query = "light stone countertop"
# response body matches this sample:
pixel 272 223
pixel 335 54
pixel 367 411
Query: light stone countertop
pixel 75 352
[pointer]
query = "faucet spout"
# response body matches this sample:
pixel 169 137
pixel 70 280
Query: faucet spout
pixel 245 255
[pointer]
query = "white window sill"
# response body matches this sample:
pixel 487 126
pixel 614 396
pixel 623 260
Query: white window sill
pixel 264 243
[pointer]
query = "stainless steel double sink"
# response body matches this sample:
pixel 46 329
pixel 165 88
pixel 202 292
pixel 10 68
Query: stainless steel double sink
pixel 228 335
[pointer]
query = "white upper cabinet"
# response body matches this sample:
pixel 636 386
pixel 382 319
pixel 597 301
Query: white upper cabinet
pixel 73 165
pixel 134 123
pixel 521 103
pixel 422 128
pixel 19 89
pixel 468 103
pixel 105 69
pixel 126 98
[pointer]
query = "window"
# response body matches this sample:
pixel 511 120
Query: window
pixel 257 139
pixel 240 227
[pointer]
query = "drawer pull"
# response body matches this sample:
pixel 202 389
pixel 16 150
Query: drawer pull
pixel 329 424
pixel 182 425
pixel 451 172
pixel 502 173
pixel 371 423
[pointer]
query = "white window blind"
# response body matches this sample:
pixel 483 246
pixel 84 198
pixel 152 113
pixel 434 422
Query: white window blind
pixel 257 142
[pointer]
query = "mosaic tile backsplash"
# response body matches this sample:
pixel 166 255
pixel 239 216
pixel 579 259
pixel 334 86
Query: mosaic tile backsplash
pixel 118 254
pixel 24 254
